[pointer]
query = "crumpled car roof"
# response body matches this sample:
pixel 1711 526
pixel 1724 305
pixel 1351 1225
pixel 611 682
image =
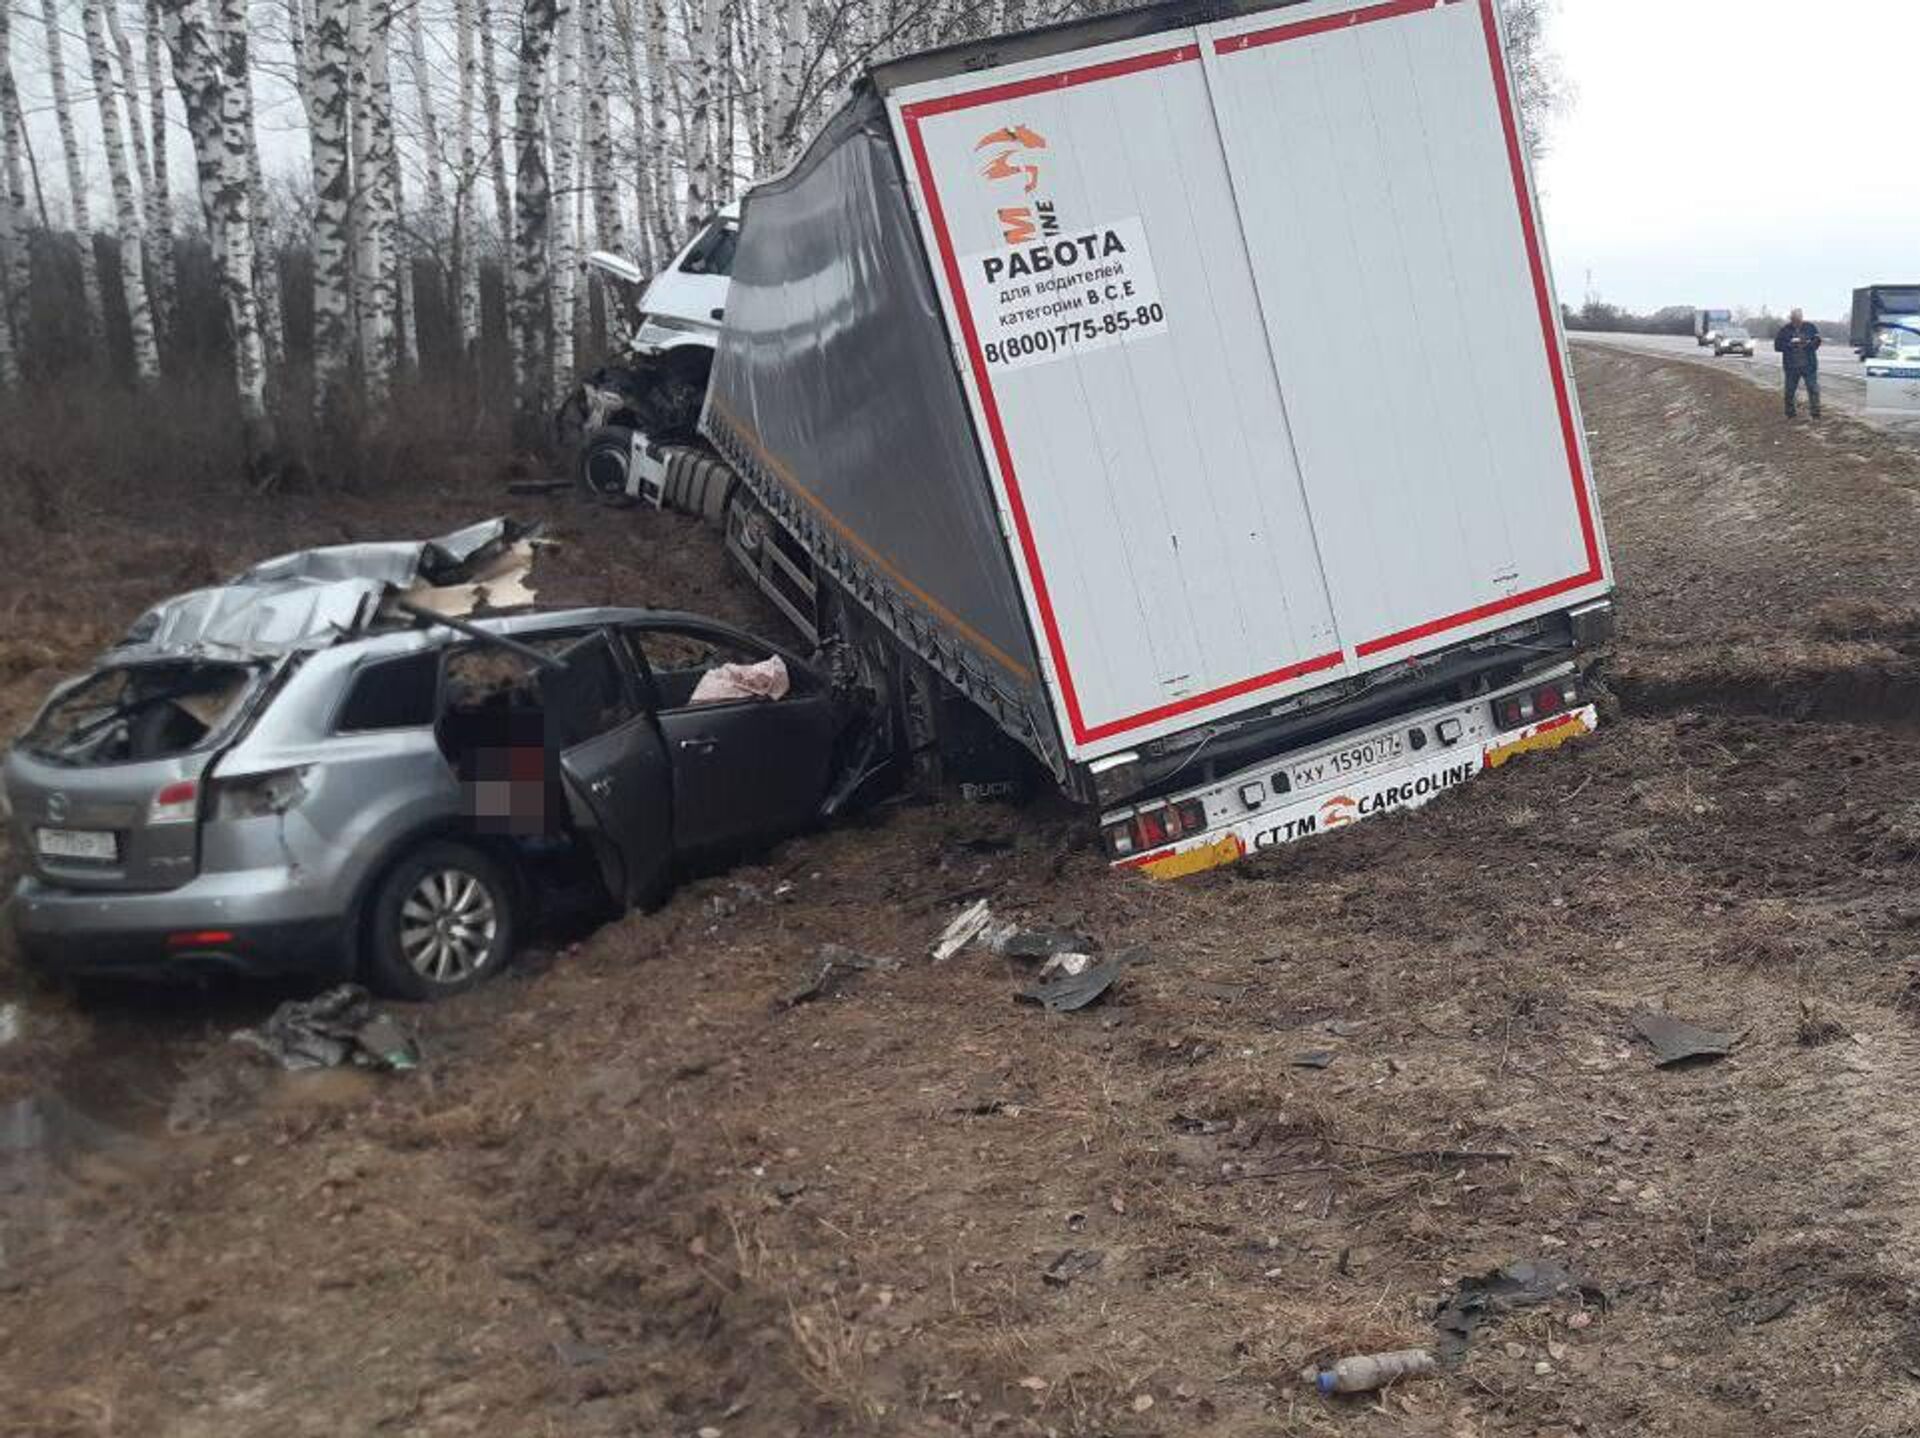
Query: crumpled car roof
pixel 314 597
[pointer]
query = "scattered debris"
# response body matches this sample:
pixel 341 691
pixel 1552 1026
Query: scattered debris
pixel 1189 1123
pixel 1312 1059
pixel 1366 1372
pixel 975 923
pixel 538 486
pixel 834 964
pixel 1526 1283
pixel 1065 992
pixel 337 1027
pixel 1344 1028
pixel 1069 965
pixel 1032 944
pixel 1675 1041
pixel 1071 1264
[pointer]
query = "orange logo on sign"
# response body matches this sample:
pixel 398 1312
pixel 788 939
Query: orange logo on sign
pixel 1006 145
pixel 1011 156
pixel 1337 811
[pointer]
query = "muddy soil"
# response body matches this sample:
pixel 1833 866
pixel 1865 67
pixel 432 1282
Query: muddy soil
pixel 636 1189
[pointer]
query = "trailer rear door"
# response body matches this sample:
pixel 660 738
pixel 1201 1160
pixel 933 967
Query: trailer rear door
pixel 1144 248
pixel 1384 195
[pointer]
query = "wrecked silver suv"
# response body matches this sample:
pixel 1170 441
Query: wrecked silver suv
pixel 324 768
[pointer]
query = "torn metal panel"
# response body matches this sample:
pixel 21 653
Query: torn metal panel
pixel 315 596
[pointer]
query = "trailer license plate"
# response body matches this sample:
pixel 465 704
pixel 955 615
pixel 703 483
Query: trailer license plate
pixel 100 845
pixel 1378 752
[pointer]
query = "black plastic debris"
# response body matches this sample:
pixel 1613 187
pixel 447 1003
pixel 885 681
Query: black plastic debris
pixel 1063 991
pixel 1526 1283
pixel 338 1027
pixel 1071 1264
pixel 834 965
pixel 1033 945
pixel 1312 1059
pixel 1676 1041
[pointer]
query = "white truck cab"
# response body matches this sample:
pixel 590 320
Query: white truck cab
pixel 681 307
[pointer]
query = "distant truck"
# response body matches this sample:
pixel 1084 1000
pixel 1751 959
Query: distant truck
pixel 1707 325
pixel 1043 405
pixel 1879 313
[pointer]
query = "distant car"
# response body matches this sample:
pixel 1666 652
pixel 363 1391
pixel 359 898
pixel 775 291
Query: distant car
pixel 1732 340
pixel 388 798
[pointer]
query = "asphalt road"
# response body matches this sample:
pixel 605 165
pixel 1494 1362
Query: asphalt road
pixel 1843 378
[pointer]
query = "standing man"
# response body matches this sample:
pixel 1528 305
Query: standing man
pixel 1799 346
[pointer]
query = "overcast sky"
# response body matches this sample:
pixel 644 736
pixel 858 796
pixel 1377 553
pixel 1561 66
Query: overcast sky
pixel 1726 152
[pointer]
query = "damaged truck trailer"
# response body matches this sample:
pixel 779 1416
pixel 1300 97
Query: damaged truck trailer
pixel 1040 377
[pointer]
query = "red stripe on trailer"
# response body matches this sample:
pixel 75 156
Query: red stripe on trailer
pixel 1325 24
pixel 1214 696
pixel 1060 80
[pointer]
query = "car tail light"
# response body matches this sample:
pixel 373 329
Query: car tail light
pixel 177 803
pixel 1120 839
pixel 200 939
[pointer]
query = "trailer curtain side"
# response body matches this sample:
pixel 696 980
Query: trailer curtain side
pixel 835 396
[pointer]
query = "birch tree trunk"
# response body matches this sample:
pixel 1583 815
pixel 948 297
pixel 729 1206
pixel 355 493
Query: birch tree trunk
pixel 565 249
pixel 466 271
pixel 602 177
pixel 435 157
pixel 297 40
pixel 159 182
pixel 333 192
pixel 76 175
pixel 373 217
pixel 15 277
pixel 703 43
pixel 666 197
pixel 238 133
pixel 130 103
pixel 641 166
pixel 126 211
pixel 220 160
pixel 406 349
pixel 787 99
pixel 532 350
pixel 496 135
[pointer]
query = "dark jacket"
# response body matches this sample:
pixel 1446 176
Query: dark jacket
pixel 1801 358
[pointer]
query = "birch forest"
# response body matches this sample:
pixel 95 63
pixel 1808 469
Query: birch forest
pixel 313 205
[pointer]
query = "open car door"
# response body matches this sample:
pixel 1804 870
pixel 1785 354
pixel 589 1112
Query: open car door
pixel 614 768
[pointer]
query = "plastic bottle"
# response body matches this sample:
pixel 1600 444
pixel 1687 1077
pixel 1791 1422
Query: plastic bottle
pixel 1364 1373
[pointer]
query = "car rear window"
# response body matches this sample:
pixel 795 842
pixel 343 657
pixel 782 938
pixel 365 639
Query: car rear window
pixel 392 694
pixel 131 712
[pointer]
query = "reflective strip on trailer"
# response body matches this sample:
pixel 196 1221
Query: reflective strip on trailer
pixel 1407 787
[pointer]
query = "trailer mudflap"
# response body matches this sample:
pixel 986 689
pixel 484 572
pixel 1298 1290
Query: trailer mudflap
pixel 1404 787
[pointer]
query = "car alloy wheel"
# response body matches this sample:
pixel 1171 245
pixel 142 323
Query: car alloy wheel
pixel 447 925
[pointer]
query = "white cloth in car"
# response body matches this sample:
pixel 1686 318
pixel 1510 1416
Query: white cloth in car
pixel 766 680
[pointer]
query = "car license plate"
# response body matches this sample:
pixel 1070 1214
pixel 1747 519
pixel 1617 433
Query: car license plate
pixel 1349 763
pixel 100 845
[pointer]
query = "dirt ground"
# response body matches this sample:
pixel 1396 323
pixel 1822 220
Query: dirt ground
pixel 633 1192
